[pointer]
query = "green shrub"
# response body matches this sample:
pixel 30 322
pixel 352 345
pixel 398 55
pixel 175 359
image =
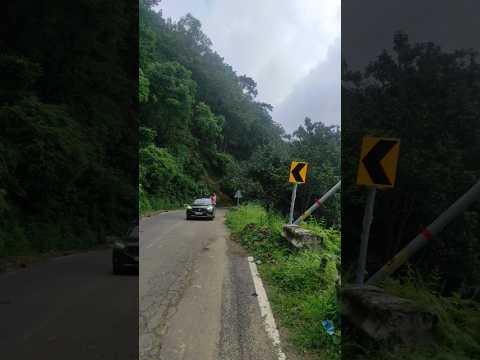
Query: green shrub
pixel 307 271
pixel 301 284
pixel 247 214
pixel 330 236
pixel 16 242
pixel 457 333
pixel 458 330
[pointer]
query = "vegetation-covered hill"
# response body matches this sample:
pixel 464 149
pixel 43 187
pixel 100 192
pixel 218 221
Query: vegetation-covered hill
pixel 68 138
pixel 202 128
pixel 430 99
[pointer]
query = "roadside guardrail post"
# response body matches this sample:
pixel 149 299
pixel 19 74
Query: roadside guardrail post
pixel 318 203
pixel 422 239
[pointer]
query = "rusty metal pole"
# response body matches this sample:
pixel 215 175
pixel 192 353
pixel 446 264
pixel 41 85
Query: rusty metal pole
pixel 318 203
pixel 457 208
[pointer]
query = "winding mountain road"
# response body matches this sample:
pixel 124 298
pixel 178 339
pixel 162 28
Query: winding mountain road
pixel 197 297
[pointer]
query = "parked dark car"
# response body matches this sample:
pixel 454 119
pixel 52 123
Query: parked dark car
pixel 201 209
pixel 125 251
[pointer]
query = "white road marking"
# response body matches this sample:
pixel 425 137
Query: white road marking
pixel 265 310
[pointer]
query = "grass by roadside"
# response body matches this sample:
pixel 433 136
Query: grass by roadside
pixel 300 284
pixel 456 336
pixel 150 205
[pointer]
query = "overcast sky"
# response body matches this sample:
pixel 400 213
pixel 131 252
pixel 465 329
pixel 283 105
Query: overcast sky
pixel 290 48
pixel 368 26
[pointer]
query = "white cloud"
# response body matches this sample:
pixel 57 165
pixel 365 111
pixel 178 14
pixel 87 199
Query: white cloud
pixel 316 96
pixel 276 42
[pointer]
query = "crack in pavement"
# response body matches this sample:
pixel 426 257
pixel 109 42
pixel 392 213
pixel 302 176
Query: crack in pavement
pixel 157 306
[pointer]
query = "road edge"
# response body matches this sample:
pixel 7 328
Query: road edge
pixel 265 309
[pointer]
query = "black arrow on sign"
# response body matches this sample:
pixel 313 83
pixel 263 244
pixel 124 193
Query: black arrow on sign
pixel 296 172
pixel 374 157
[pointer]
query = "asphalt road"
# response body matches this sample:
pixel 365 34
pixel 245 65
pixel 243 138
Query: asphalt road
pixel 69 308
pixel 197 297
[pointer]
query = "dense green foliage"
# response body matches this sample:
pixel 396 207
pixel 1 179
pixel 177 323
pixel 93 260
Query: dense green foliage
pixel 264 176
pixel 68 159
pixel 456 335
pixel 301 284
pixel 430 99
pixel 458 330
pixel 208 132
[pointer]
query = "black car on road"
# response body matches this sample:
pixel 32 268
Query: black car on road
pixel 125 251
pixel 201 209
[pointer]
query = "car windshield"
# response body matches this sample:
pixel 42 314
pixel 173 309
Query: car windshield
pixel 202 202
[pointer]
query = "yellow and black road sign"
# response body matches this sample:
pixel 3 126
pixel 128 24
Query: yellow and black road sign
pixel 298 172
pixel 378 162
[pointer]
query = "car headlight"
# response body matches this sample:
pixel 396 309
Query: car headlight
pixel 189 207
pixel 119 245
pixel 210 208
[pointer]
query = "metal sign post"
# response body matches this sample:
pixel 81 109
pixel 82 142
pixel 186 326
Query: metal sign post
pixel 297 175
pixel 377 169
pixel 292 205
pixel 237 196
pixel 367 223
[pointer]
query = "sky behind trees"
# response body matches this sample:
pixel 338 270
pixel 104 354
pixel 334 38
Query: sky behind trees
pixel 367 30
pixel 291 49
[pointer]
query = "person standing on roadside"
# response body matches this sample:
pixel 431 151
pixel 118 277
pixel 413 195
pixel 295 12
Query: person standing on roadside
pixel 213 199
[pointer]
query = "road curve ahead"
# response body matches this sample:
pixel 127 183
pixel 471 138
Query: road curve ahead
pixel 197 297
pixel 70 308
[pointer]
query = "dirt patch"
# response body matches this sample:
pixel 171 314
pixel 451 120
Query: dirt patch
pixel 235 249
